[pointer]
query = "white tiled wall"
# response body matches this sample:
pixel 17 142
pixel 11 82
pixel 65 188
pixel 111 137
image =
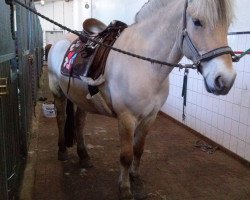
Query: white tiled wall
pixel 224 119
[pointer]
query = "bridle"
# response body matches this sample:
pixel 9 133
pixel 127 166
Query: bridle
pixel 197 57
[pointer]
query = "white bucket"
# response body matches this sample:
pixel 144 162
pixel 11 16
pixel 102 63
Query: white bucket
pixel 49 109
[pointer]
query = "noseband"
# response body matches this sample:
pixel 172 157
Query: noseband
pixel 197 57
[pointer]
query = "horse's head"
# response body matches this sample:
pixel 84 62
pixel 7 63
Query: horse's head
pixel 204 41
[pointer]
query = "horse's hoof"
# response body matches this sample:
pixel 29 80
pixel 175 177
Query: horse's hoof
pixel 140 196
pixel 63 155
pixel 125 194
pixel 86 163
pixel 126 197
pixel 137 187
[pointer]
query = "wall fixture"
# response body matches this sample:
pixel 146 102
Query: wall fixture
pixel 42 2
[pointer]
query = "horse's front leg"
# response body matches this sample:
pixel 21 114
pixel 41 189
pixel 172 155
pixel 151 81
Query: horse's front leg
pixel 60 104
pixel 80 120
pixel 138 148
pixel 126 124
pixel 139 141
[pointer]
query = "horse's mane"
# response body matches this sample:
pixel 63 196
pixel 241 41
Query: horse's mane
pixel 212 11
pixel 148 8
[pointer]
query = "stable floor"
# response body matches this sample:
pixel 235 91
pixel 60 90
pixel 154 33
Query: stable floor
pixel 172 168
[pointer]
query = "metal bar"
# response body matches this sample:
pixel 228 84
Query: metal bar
pixel 6 57
pixel 239 33
pixel 3 170
pixel 240 52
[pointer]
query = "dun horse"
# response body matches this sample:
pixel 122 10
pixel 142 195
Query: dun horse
pixel 135 90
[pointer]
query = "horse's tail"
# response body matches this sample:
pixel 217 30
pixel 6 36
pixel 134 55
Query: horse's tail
pixel 47 48
pixel 69 128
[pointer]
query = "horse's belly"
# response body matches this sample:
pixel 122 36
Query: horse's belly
pixel 77 92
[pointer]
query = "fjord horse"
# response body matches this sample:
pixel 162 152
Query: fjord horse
pixel 135 90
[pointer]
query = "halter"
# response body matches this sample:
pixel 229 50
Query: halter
pixel 197 57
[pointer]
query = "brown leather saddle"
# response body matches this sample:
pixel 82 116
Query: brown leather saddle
pixel 93 26
pixel 86 58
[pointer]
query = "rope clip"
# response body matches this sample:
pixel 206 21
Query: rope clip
pixel 180 66
pixel 235 58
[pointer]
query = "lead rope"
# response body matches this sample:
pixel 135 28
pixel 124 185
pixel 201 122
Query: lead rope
pixel 184 94
pixel 243 54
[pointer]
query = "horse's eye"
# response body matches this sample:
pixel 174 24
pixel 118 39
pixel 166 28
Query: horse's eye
pixel 197 22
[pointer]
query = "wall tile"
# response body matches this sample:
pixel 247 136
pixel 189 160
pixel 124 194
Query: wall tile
pixel 245 98
pixel 246 81
pixel 233 144
pixel 242 132
pixel 247 152
pixel 222 107
pixel 239 80
pixel 229 109
pixel 226 140
pixel 215 120
pixel 237 96
pixel 247 66
pixel 248 135
pixel 236 112
pixel 221 122
pixel 219 137
pixel 228 125
pixel 241 147
pixel 244 114
pixel 235 129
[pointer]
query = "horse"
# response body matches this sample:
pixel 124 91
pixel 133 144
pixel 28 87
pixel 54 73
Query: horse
pixel 135 89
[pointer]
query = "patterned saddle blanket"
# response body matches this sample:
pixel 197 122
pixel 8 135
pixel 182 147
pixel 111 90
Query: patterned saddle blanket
pixel 88 59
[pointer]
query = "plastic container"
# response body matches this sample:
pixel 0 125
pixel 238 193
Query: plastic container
pixel 49 109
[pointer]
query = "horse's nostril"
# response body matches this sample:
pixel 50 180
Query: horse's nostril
pixel 219 82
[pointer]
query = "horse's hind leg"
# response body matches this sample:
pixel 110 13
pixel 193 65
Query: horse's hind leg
pixel 127 124
pixel 80 119
pixel 60 104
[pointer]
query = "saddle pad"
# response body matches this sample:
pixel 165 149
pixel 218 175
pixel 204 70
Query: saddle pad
pixel 76 60
pixel 80 60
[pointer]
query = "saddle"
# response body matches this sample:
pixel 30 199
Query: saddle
pixel 85 58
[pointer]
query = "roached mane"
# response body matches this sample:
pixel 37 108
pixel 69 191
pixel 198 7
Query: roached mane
pixel 212 11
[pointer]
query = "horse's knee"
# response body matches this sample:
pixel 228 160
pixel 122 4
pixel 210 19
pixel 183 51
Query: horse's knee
pixel 138 148
pixel 126 158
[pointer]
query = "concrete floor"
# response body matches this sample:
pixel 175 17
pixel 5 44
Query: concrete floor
pixel 172 168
